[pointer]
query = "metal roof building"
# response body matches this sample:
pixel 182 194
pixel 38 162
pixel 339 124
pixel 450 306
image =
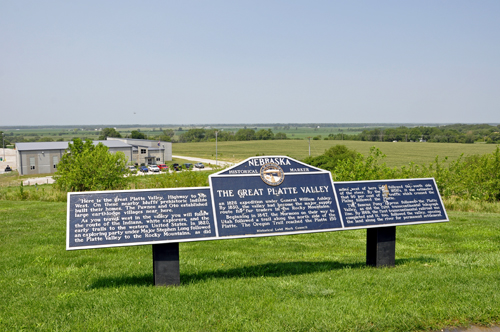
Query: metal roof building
pixel 43 157
pixel 147 152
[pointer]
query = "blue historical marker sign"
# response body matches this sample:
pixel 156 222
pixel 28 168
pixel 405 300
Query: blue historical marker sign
pixel 265 196
pixel 365 204
pixel 261 196
pixel 120 218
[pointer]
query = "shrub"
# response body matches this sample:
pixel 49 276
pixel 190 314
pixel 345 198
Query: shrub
pixel 85 166
pixel 332 157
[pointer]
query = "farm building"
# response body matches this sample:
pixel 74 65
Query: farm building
pixel 42 157
pixel 147 152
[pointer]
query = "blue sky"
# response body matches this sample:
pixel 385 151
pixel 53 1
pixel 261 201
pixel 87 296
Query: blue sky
pixel 202 62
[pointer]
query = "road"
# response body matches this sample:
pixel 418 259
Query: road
pixel 205 161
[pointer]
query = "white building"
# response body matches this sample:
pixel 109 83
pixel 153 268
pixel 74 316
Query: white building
pixel 43 157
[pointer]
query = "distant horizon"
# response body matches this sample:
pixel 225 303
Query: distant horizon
pixel 327 124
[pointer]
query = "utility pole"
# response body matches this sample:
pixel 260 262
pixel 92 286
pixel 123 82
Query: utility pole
pixel 309 138
pixel 3 141
pixel 216 132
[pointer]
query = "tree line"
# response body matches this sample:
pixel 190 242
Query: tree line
pixel 456 133
pixel 201 135
pixel 244 134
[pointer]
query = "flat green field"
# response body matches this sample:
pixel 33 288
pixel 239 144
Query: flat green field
pixel 446 274
pixel 398 154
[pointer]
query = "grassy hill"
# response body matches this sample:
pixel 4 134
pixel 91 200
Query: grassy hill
pixel 446 274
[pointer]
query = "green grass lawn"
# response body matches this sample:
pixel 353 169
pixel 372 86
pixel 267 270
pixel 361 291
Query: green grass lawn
pixel 446 274
pixel 398 154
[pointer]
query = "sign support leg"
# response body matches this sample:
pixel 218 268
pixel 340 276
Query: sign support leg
pixel 166 270
pixel 381 246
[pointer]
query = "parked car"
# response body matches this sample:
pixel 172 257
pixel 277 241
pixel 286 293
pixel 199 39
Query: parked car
pixel 8 169
pixel 177 167
pixel 143 169
pixel 188 166
pixel 199 165
pixel 163 167
pixel 153 168
pixel 132 169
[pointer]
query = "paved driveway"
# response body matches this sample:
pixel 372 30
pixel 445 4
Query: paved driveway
pixel 205 161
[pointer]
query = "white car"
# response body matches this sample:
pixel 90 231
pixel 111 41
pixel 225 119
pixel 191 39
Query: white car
pixel 153 168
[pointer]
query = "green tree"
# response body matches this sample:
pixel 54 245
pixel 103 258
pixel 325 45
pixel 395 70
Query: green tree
pixel 280 135
pixel 245 134
pixel 332 157
pixel 264 134
pixel 137 134
pixel 109 132
pixel 193 135
pixel 225 136
pixel 85 166
pixel 164 137
pixel 169 132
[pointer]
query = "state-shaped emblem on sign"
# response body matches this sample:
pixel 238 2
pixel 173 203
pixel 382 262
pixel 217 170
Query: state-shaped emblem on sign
pixel 272 174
